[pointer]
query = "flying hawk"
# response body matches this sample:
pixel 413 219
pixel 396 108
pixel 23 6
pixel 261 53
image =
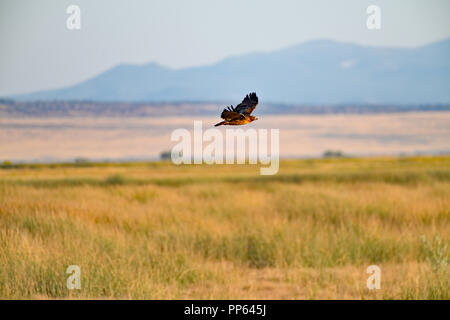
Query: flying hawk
pixel 241 113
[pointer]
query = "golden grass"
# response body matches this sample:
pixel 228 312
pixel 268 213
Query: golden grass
pixel 158 231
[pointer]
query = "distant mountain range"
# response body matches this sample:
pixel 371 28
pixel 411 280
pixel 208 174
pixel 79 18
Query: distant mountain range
pixel 316 72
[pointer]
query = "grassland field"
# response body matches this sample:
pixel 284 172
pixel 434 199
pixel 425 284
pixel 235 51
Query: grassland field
pixel 153 230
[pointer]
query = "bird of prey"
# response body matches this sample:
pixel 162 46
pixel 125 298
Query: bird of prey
pixel 241 113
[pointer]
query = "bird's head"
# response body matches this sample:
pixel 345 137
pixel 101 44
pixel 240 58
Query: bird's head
pixel 253 118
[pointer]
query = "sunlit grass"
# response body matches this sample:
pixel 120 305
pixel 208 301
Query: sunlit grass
pixel 157 231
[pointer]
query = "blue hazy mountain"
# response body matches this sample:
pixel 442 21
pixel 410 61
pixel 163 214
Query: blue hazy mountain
pixel 320 71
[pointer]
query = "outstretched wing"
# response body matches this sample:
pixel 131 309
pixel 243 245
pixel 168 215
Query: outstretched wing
pixel 248 104
pixel 229 114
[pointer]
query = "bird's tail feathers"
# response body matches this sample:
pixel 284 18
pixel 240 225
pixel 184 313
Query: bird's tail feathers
pixel 219 124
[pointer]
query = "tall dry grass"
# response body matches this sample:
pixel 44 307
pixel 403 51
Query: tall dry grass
pixel 157 231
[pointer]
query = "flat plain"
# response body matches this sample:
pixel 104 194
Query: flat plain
pixel 153 230
pixel 55 139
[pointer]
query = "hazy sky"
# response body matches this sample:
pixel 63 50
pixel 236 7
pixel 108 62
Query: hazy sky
pixel 39 52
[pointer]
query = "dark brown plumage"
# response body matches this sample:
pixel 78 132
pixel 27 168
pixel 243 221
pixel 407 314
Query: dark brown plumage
pixel 241 113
